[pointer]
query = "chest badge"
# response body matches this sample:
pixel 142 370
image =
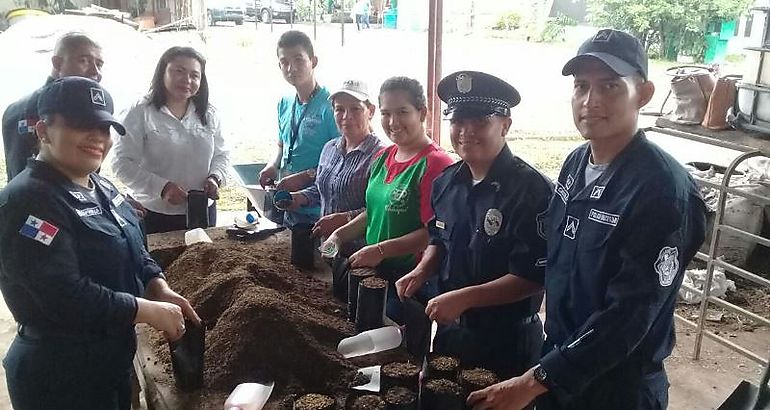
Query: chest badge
pixel 79 196
pixel 597 191
pixel 667 265
pixel 22 127
pixel 122 222
pixel 493 221
pixel 571 227
pixel 440 224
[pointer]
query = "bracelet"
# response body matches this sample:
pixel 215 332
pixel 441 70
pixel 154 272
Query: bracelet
pixel 379 248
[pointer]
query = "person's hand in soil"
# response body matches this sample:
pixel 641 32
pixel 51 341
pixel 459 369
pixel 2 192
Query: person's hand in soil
pixel 410 283
pixel 267 176
pixel 211 188
pixel 140 210
pixel 447 307
pixel 367 257
pixel 159 290
pixel 294 182
pixel 329 223
pixel 511 394
pixel 173 194
pixel 163 316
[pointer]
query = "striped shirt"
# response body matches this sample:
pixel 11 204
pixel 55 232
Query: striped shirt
pixel 341 178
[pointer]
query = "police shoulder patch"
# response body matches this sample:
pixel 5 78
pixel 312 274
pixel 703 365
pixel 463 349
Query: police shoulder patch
pixel 667 265
pixel 39 230
pixel 493 220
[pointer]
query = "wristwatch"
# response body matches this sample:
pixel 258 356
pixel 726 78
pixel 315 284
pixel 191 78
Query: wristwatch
pixel 541 376
pixel 216 180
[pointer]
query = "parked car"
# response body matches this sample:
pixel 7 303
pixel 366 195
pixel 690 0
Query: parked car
pixel 225 10
pixel 281 10
pixel 250 10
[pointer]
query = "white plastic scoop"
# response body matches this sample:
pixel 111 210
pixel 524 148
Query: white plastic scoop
pixel 373 374
pixel 371 341
pixel 196 235
pixel 249 396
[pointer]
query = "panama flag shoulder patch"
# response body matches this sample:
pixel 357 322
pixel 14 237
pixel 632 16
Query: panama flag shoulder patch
pixel 39 230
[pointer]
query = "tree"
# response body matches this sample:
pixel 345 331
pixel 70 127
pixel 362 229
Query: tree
pixel 666 27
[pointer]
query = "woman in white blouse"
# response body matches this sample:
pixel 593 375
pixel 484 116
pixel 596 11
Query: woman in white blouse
pixel 173 142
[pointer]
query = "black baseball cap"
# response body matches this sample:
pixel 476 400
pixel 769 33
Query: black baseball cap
pixel 81 101
pixel 620 51
pixel 473 94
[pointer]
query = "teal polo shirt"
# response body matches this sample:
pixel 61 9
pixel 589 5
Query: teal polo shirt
pixel 315 126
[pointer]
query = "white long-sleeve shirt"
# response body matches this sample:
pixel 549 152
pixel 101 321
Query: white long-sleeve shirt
pixel 159 148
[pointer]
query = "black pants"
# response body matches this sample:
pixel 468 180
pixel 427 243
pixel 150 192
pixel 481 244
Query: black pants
pixel 155 222
pixel 67 374
pixel 507 350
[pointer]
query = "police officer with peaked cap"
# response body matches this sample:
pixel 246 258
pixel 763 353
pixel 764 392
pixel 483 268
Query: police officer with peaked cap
pixel 487 237
pixel 625 221
pixel 73 269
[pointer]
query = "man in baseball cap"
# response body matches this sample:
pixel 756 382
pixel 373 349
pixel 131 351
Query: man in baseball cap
pixel 620 51
pixel 624 223
pixel 487 246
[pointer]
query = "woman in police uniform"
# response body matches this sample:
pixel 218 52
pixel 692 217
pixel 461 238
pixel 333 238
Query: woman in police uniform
pixel 487 245
pixel 73 269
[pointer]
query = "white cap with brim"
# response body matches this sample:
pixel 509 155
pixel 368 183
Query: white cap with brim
pixel 354 88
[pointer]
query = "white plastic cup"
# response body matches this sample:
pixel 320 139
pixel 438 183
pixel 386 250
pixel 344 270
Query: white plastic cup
pixel 371 341
pixel 249 396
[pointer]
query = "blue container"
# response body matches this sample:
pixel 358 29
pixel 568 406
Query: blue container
pixel 390 19
pixel 282 199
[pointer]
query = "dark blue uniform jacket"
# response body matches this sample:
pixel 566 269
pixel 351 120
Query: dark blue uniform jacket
pixel 617 251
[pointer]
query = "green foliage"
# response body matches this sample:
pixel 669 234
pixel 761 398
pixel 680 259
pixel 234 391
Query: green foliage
pixel 555 28
pixel 304 9
pixel 508 21
pixel 667 28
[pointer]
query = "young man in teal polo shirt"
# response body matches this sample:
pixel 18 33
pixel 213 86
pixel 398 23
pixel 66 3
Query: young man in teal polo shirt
pixel 305 124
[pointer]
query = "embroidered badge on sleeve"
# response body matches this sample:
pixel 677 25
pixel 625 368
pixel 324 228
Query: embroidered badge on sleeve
pixel 39 230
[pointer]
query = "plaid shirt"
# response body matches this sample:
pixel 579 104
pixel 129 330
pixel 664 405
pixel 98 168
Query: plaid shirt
pixel 341 178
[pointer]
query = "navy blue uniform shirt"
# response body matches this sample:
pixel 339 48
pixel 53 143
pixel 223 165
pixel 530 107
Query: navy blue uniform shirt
pixel 490 230
pixel 617 251
pixel 19 139
pixel 71 259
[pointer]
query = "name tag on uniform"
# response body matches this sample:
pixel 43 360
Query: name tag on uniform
pixel 89 212
pixel 440 224
pixel 602 217
pixel 118 200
